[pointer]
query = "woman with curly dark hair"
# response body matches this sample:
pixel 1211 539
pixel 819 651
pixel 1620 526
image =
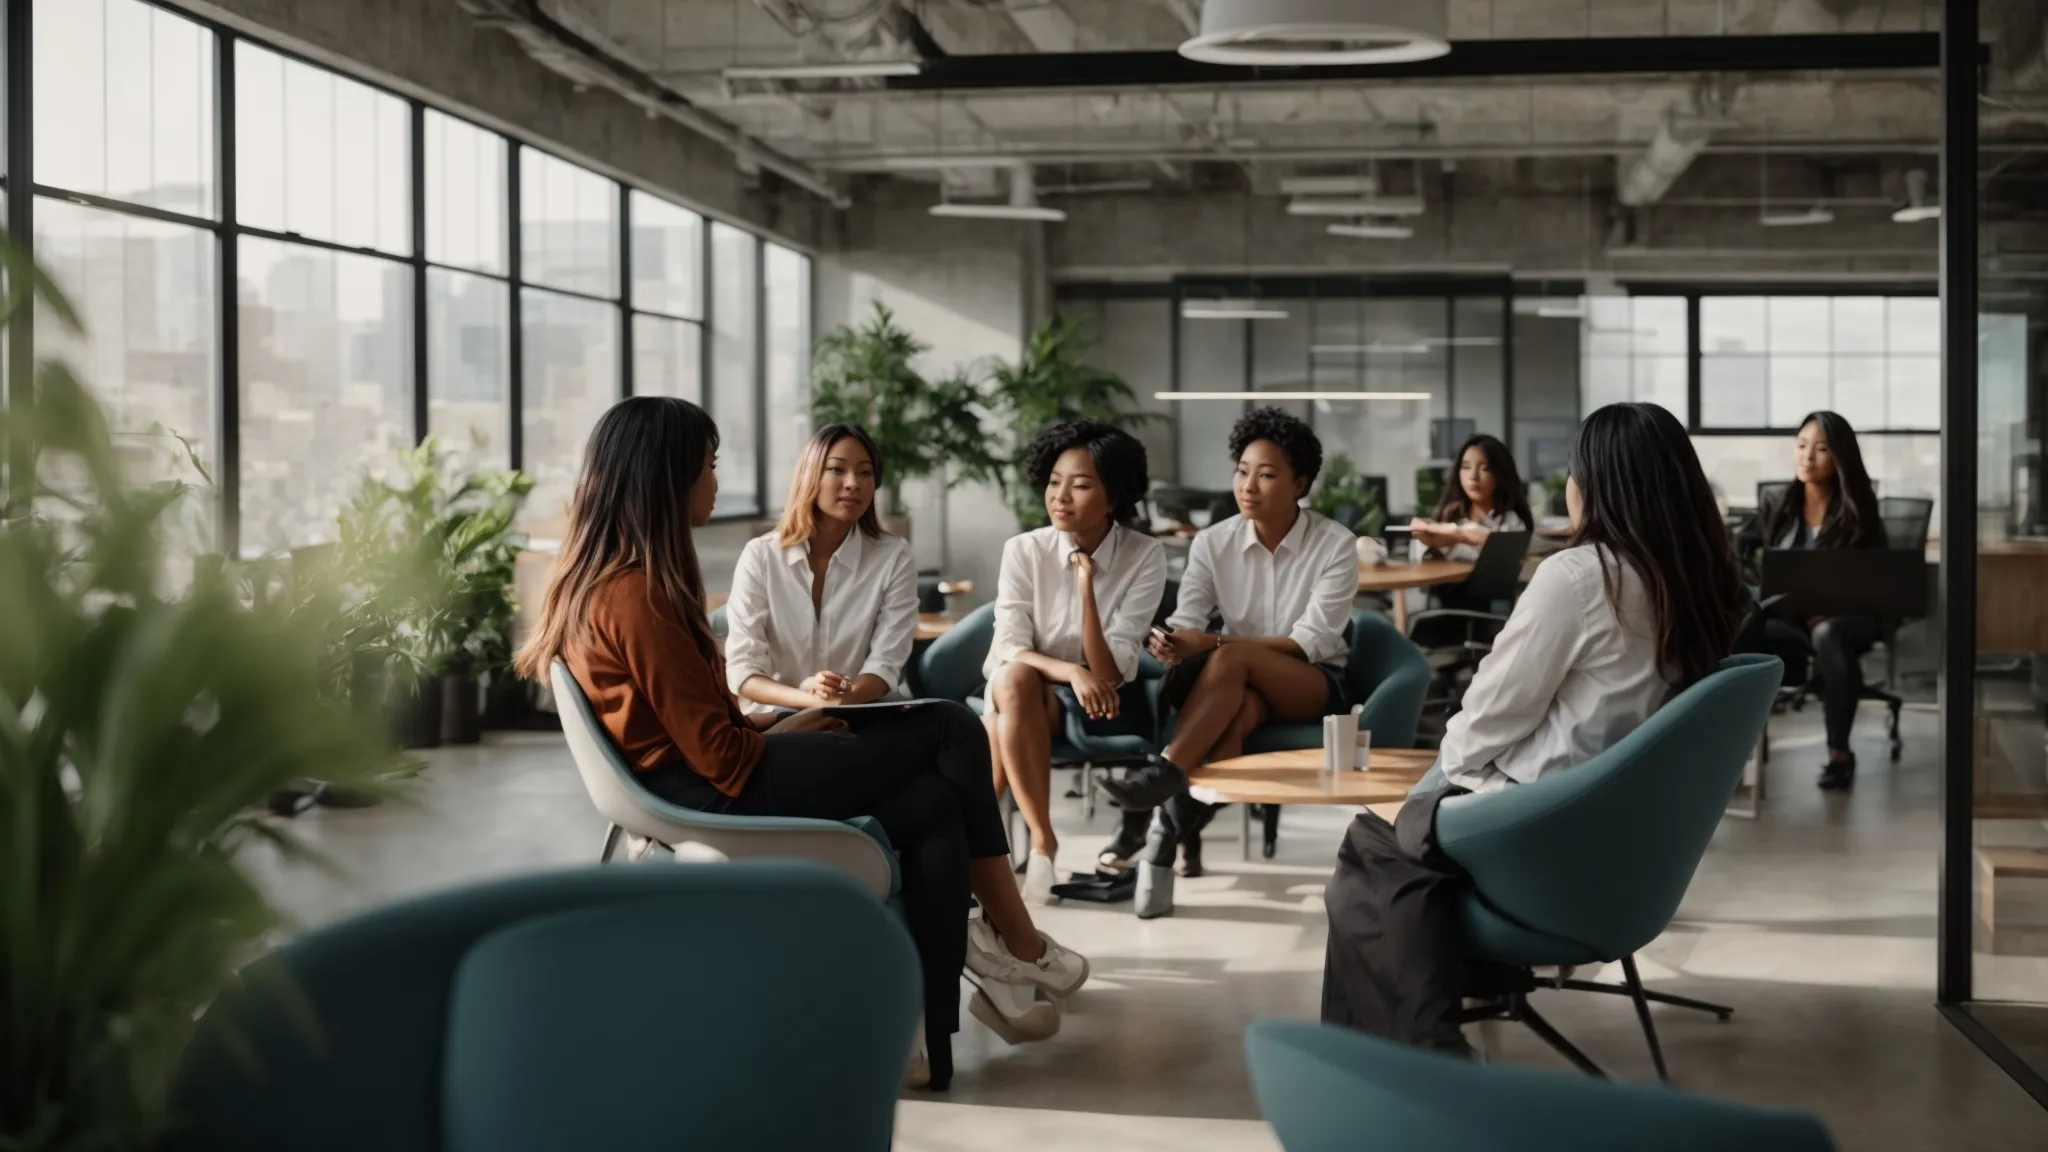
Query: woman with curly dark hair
pixel 1281 579
pixel 1073 602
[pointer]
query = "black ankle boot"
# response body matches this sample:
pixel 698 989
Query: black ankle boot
pixel 1123 848
pixel 1191 855
pixel 1839 775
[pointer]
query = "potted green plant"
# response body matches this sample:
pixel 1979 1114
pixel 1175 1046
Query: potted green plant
pixel 481 549
pixel 1051 381
pixel 1555 483
pixel 868 376
pixel 1429 489
pixel 1343 495
pixel 436 548
pixel 144 719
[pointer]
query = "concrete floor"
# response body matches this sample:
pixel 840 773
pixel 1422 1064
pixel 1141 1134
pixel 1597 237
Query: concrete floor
pixel 1816 922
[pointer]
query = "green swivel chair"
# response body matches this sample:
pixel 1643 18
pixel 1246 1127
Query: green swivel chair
pixel 1326 1089
pixel 1587 866
pixel 602 1008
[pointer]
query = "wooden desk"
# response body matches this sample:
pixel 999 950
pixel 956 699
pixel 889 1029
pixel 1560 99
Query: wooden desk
pixel 1398 578
pixel 1298 778
pixel 2012 612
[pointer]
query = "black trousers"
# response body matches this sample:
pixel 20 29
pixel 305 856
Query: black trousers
pixel 1395 965
pixel 1836 645
pixel 923 773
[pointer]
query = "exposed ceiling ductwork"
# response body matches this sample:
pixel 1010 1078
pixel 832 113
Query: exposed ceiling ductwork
pixel 580 56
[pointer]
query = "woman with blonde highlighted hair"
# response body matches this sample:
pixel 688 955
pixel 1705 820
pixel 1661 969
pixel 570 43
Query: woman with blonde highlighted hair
pixel 824 609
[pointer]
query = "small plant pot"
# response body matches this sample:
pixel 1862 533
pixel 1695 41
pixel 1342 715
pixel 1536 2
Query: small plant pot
pixel 417 714
pixel 461 714
pixel 508 701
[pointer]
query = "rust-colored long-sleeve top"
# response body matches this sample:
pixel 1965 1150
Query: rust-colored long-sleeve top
pixel 654 692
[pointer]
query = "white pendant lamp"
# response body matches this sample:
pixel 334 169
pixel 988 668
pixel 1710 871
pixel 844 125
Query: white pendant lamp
pixel 1269 33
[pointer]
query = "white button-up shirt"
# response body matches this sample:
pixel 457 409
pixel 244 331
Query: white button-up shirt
pixel 1567 677
pixel 1038 599
pixel 1302 589
pixel 864 624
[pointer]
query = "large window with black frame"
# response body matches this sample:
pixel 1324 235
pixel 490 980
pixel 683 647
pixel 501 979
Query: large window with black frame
pixel 288 273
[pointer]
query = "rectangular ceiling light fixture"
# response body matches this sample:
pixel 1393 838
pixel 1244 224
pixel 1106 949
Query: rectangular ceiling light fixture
pixel 838 70
pixel 1323 396
pixel 1230 310
pixel 1369 206
pixel 1415 349
pixel 1369 231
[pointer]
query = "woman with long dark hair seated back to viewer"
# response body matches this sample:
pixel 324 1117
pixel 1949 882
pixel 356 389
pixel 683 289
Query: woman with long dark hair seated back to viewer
pixel 823 609
pixel 1645 600
pixel 1829 504
pixel 625 611
pixel 1073 602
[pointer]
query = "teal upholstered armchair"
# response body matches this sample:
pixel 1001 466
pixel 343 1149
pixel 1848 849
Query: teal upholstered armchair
pixel 1588 865
pixel 1330 1090
pixel 602 1008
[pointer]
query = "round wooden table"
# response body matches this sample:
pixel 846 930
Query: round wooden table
pixel 1396 579
pixel 1297 777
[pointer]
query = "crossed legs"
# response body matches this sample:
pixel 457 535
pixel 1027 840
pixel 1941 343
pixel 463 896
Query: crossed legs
pixel 1241 687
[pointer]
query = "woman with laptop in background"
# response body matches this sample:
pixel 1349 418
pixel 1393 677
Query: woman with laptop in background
pixel 1830 503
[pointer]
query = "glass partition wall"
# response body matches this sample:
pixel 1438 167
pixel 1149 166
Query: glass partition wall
pixel 1994 548
pixel 287 273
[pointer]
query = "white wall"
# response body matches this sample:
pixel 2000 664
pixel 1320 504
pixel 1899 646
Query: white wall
pixel 961 287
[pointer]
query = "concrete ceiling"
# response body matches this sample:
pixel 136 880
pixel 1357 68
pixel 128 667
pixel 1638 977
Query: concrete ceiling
pixel 1824 132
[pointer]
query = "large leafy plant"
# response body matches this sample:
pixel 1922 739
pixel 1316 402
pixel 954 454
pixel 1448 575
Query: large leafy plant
pixel 431 554
pixel 868 376
pixel 141 724
pixel 1051 381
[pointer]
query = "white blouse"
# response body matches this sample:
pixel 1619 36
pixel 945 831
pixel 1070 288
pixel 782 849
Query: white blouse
pixel 1038 601
pixel 1499 520
pixel 864 625
pixel 1566 679
pixel 1302 589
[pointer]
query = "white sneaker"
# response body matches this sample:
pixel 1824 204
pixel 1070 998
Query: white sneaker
pixel 918 1073
pixel 1039 877
pixel 1060 971
pixel 1019 1013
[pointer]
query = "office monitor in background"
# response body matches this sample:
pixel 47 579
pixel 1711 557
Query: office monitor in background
pixel 1882 583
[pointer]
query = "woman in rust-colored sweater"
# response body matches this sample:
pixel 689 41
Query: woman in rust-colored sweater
pixel 625 612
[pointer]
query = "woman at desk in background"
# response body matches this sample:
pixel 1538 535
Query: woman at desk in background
pixel 824 609
pixel 1281 579
pixel 1829 504
pixel 1073 602
pixel 625 611
pixel 1488 498
pixel 1645 600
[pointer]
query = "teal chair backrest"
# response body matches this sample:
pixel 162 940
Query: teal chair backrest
pixel 950 667
pixel 1326 1089
pixel 1388 677
pixel 1600 854
pixel 603 1008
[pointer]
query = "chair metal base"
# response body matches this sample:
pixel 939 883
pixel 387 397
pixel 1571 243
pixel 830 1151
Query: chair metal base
pixel 1513 1005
